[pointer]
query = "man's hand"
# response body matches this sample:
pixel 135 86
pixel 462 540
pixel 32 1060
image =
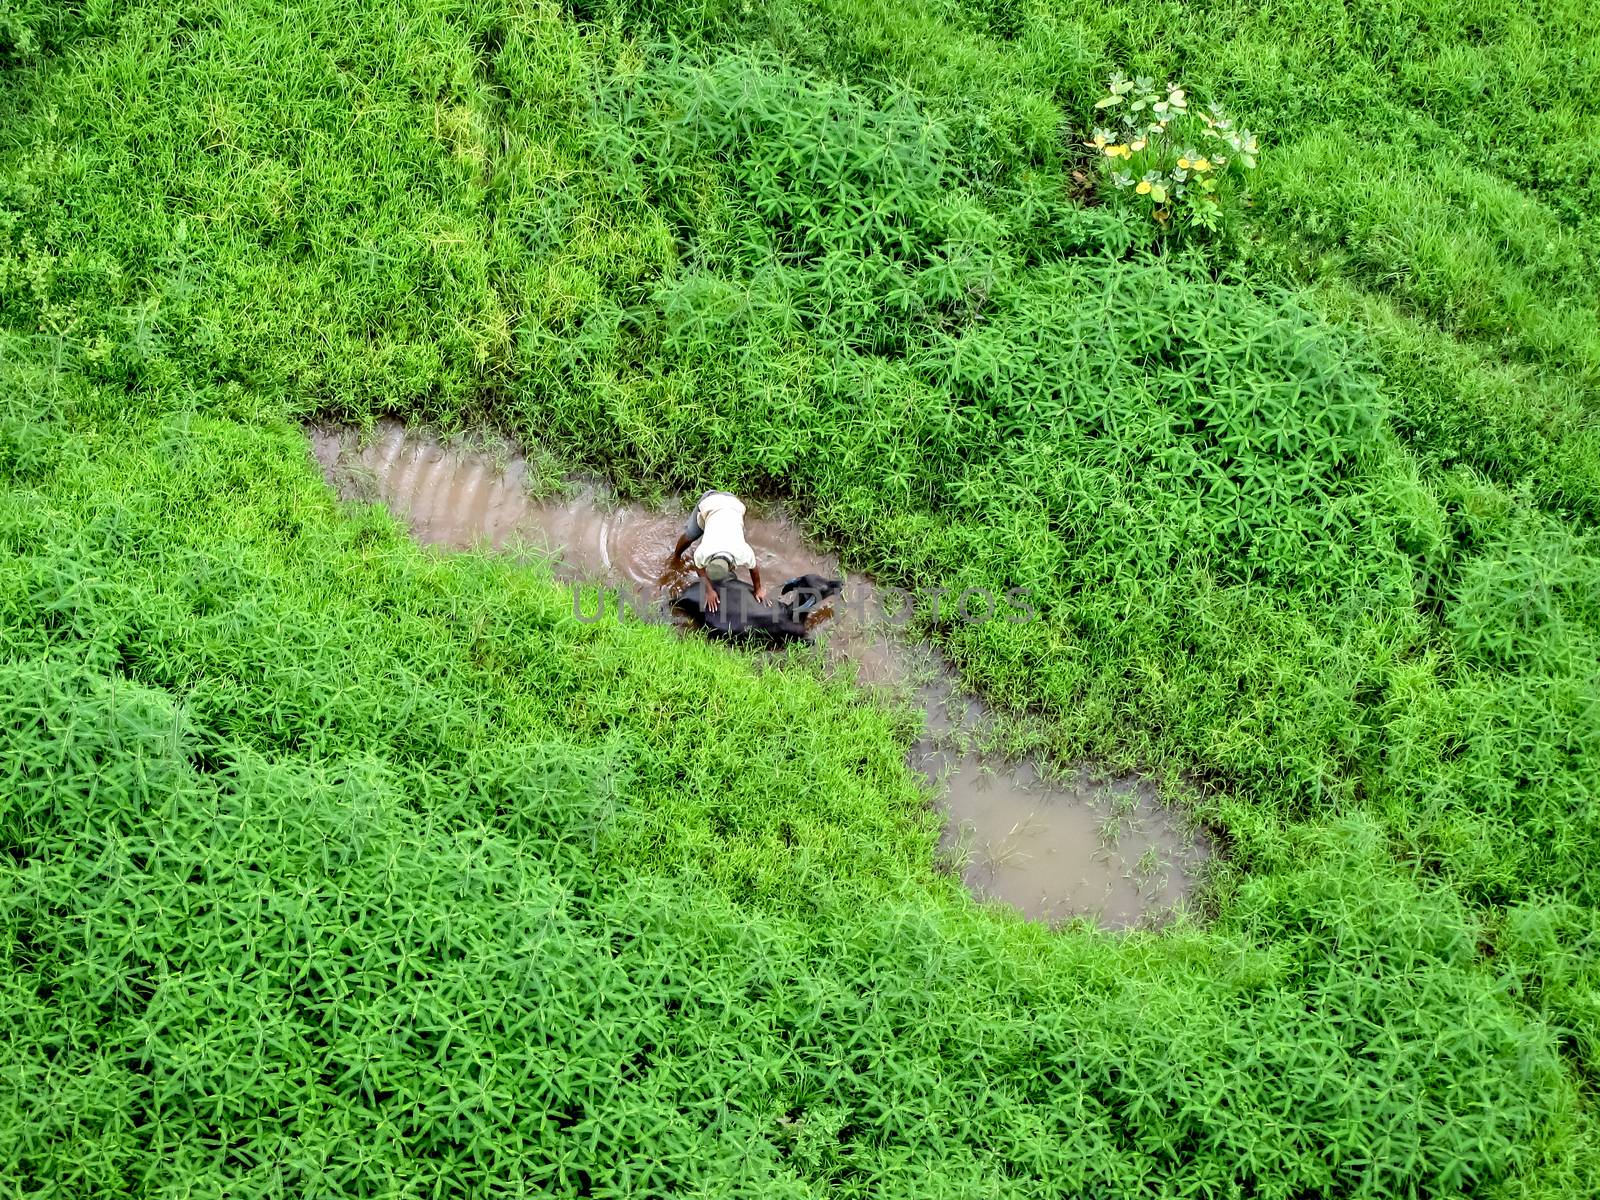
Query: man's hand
pixel 761 588
pixel 711 598
pixel 761 595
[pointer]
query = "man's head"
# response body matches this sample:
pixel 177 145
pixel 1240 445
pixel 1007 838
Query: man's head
pixel 718 567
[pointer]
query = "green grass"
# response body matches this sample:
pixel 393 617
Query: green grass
pixel 338 867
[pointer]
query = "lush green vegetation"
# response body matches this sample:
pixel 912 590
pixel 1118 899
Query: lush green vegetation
pixel 336 867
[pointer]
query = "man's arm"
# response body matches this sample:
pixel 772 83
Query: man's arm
pixel 708 591
pixel 755 580
pixel 684 542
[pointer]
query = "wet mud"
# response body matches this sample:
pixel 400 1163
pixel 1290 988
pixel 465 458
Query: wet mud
pixel 1053 847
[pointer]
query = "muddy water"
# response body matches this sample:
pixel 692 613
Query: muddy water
pixel 1053 847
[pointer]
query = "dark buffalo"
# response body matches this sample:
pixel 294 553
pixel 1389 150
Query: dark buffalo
pixel 740 616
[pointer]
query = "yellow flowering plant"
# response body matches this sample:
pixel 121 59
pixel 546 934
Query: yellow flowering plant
pixel 1184 165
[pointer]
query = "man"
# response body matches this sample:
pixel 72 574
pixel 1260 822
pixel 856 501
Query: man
pixel 717 525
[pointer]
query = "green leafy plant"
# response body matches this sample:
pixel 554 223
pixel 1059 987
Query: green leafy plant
pixel 1184 166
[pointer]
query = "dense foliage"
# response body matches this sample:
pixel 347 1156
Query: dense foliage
pixel 335 867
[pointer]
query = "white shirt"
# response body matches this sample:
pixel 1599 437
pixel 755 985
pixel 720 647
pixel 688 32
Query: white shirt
pixel 722 518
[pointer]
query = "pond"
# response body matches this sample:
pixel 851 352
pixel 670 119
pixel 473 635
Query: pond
pixel 1053 845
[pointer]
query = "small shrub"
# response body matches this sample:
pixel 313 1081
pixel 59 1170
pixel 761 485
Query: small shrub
pixel 1186 168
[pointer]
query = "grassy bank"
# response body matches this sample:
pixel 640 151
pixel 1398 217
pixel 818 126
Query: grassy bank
pixel 341 868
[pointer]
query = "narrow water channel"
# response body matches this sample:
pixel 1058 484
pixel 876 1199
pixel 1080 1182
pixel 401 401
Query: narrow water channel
pixel 1053 847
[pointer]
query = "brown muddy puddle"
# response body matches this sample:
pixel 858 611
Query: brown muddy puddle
pixel 1054 847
